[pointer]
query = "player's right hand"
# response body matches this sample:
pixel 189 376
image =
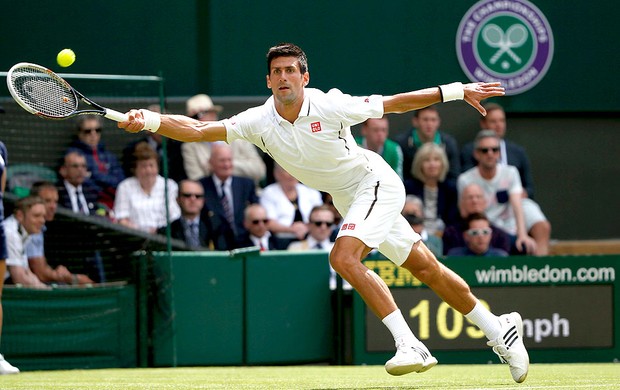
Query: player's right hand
pixel 135 123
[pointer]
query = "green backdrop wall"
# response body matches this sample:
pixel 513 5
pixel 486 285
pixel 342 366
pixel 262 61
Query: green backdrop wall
pixel 358 46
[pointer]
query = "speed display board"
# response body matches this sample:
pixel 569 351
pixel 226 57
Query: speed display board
pixel 569 307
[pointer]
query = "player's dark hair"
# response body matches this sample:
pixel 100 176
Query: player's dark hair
pixel 287 50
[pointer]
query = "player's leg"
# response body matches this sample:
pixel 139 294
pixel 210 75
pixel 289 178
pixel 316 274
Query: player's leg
pixel 346 259
pixel 505 333
pixel 5 367
pixel 369 215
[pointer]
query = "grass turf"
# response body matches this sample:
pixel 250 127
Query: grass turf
pixel 495 376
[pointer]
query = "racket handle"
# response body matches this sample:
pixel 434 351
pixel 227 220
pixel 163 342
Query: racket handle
pixel 115 115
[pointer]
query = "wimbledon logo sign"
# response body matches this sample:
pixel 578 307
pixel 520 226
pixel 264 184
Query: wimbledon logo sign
pixel 505 40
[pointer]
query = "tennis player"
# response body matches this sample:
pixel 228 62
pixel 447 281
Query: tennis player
pixel 308 133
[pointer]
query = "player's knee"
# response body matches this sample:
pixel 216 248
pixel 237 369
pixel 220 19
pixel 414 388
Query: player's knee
pixel 341 260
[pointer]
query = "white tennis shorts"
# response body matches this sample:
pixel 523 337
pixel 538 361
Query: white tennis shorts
pixel 372 214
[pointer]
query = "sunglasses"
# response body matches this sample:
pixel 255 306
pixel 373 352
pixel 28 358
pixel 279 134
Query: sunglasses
pixel 478 232
pixel 257 221
pixel 88 131
pixel 77 165
pixel 321 223
pixel 190 195
pixel 486 150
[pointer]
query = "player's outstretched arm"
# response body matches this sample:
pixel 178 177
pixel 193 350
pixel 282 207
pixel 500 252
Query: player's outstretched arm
pixel 472 93
pixel 177 127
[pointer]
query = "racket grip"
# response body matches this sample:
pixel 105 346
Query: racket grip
pixel 115 115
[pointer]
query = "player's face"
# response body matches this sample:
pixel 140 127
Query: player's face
pixel 33 219
pixel 496 121
pixel 478 236
pixel 286 80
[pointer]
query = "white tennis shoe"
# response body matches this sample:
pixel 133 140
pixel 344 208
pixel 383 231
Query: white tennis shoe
pixel 509 346
pixel 6 367
pixel 410 357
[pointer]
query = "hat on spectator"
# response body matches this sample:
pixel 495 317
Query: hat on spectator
pixel 201 103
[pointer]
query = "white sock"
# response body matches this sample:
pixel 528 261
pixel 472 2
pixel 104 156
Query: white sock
pixel 485 320
pixel 396 323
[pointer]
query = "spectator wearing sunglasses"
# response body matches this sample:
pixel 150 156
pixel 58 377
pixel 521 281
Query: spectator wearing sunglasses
pixel 105 171
pixel 255 222
pixel 504 193
pixel 191 228
pixel 477 239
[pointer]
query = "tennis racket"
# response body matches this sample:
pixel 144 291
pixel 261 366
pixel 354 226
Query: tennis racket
pixel 43 93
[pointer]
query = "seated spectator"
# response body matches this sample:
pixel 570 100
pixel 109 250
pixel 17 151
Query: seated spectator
pixel 74 191
pixel 329 202
pixel 429 170
pixel 246 160
pixel 510 153
pixel 141 199
pixel 190 227
pixel 432 242
pixel 28 218
pixel 176 168
pixel 227 196
pixel 6 368
pixel 477 239
pixel 257 234
pixel 288 204
pixel 374 136
pixel 105 170
pixel 502 187
pixel 425 129
pixel 35 248
pixel 319 232
pixel 472 200
pixel 413 206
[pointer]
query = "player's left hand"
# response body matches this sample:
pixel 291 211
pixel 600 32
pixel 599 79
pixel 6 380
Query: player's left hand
pixel 135 123
pixel 474 93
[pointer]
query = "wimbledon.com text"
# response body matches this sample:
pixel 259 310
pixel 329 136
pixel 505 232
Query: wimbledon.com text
pixel 545 274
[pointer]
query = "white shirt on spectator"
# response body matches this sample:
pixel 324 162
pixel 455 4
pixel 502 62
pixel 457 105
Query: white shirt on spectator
pixel 146 211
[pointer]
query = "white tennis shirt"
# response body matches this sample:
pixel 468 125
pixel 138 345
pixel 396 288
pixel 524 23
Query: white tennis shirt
pixel 318 149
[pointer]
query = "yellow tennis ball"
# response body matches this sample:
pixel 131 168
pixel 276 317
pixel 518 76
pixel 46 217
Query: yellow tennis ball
pixel 65 57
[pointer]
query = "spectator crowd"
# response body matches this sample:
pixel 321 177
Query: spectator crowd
pixel 473 201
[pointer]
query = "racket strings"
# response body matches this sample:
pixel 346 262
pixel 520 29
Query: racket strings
pixel 44 93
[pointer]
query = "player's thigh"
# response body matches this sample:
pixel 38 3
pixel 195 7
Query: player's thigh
pixel 399 242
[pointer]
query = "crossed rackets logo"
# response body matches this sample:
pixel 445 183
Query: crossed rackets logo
pixel 504 42
pixel 508 41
